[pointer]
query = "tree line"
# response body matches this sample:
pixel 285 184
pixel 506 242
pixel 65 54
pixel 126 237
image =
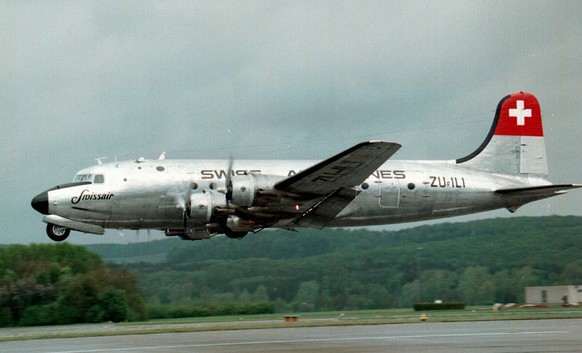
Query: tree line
pixel 477 263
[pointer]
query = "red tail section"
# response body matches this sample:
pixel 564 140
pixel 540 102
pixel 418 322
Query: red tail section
pixel 515 144
pixel 519 114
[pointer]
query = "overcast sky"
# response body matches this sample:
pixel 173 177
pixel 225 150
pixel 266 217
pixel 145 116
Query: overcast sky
pixel 273 79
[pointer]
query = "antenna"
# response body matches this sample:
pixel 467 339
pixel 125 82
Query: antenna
pixel 100 160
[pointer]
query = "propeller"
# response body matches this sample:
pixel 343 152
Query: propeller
pixel 187 209
pixel 228 182
pixel 183 203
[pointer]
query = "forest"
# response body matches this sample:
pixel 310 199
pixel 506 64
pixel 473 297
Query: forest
pixel 43 284
pixel 478 263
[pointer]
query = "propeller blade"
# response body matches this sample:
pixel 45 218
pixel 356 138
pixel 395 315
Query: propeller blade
pixel 183 203
pixel 228 183
pixel 186 214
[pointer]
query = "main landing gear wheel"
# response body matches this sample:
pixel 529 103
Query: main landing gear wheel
pixel 57 233
pixel 234 235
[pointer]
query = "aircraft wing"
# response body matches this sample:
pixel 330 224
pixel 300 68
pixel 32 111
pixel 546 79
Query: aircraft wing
pixel 346 169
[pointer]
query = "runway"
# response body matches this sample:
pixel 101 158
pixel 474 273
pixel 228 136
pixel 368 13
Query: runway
pixel 491 336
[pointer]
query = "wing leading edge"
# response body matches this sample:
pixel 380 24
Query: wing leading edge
pixel 346 169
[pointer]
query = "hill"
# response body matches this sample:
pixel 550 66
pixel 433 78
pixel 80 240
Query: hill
pixel 478 262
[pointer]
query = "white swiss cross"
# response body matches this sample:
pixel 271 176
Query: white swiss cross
pixel 520 113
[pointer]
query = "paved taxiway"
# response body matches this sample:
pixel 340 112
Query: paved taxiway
pixel 492 336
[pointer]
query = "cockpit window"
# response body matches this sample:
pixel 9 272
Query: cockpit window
pixel 94 178
pixel 83 177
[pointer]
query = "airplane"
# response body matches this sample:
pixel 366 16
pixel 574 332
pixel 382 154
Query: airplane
pixel 361 186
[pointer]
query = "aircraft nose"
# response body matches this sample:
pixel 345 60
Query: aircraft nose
pixel 40 202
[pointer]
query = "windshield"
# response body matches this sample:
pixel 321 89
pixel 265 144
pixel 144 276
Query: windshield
pixel 94 178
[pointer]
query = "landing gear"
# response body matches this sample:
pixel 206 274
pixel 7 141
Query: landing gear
pixel 57 233
pixel 234 235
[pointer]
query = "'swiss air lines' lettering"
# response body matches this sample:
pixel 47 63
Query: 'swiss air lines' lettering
pixel 85 195
pixel 447 182
pixel 221 173
pixel 378 174
pixel 389 174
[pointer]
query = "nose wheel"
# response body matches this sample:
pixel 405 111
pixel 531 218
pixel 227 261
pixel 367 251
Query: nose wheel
pixel 57 233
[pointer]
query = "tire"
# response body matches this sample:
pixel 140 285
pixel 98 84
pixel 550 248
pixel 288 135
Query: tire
pixel 57 233
pixel 234 235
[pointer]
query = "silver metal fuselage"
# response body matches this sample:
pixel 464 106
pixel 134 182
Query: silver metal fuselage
pixel 141 195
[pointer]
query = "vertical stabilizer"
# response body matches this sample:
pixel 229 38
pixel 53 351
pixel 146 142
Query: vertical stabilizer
pixel 515 144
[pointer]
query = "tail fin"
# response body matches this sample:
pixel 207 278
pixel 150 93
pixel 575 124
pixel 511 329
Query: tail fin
pixel 515 144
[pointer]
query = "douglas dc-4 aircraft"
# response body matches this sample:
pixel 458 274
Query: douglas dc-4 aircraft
pixel 196 199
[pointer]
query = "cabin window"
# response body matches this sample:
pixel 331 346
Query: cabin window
pixel 99 179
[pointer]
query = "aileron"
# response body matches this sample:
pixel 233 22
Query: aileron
pixel 323 212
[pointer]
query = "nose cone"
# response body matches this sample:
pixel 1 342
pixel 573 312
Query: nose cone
pixel 40 202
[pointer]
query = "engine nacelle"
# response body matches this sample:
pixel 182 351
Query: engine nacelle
pixel 245 187
pixel 202 206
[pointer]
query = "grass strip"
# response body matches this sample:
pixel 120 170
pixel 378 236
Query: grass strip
pixel 365 317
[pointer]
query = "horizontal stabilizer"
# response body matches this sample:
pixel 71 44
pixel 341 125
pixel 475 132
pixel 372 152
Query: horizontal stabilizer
pixel 517 197
pixel 544 190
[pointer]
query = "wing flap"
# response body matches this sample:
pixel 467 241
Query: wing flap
pixel 346 169
pixel 323 212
